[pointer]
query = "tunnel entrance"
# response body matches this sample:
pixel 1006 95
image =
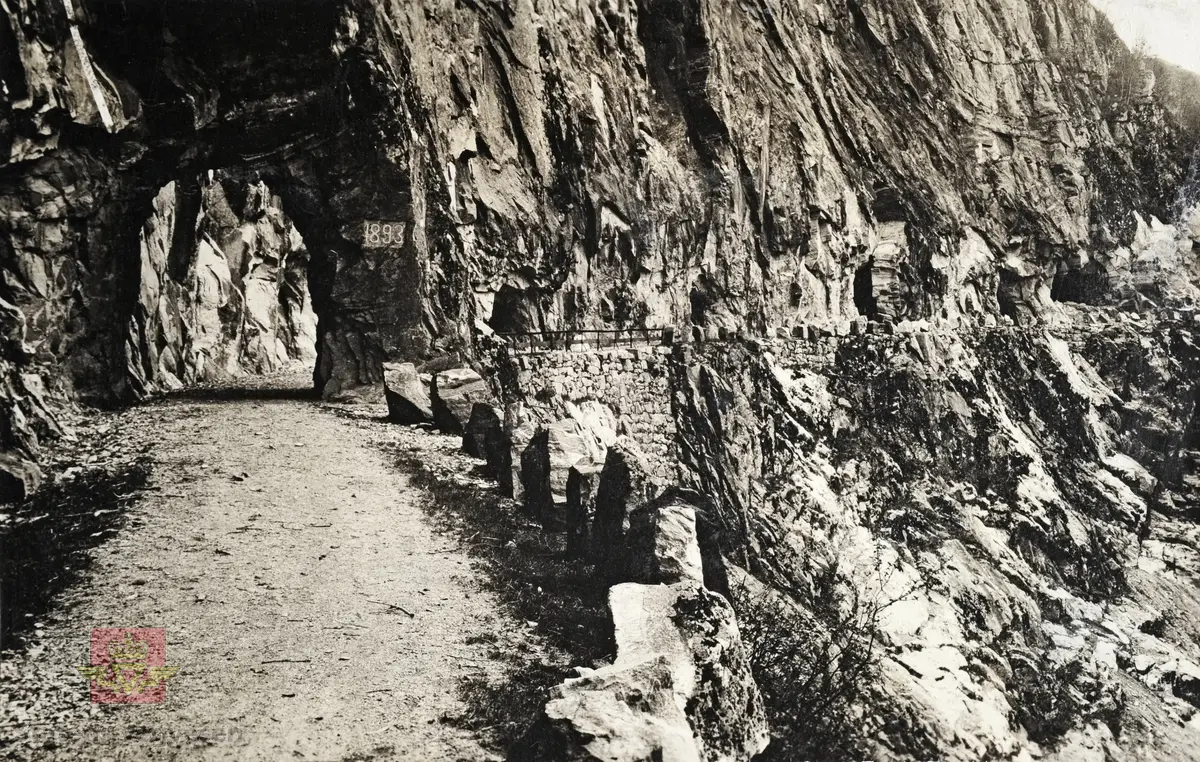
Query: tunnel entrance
pixel 223 287
pixel 864 290
pixel 189 270
pixel 136 256
pixel 1082 285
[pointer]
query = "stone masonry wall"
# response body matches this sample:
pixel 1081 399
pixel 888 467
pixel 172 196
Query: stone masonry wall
pixel 632 381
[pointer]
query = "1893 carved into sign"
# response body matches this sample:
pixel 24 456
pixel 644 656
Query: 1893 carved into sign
pixel 380 234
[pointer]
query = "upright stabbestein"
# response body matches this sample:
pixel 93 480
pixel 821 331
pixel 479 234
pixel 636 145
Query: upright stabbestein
pixel 455 393
pixel 407 395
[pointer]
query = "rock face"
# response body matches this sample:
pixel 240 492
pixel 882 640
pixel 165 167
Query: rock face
pixel 911 495
pixel 553 177
pixel 1159 269
pixel 26 417
pixel 680 688
pixel 18 478
pixel 223 292
pixel 407 397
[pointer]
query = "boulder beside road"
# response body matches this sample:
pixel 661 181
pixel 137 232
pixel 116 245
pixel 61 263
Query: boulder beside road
pixel 453 397
pixel 407 395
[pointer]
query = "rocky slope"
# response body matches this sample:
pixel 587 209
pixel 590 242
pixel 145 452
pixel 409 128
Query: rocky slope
pixel 972 501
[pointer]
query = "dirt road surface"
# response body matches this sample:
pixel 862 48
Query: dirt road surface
pixel 310 607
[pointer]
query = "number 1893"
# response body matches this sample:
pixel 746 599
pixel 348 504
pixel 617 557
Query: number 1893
pixel 378 233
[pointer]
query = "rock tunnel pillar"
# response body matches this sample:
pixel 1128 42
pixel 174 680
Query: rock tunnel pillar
pixel 366 241
pixel 350 352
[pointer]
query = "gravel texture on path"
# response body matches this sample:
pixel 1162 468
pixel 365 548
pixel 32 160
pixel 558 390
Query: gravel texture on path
pixel 312 609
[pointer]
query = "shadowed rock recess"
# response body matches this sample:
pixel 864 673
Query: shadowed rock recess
pixel 932 266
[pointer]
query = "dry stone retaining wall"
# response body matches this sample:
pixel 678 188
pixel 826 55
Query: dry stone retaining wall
pixel 632 381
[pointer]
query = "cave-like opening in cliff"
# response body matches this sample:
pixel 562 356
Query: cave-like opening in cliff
pixel 864 290
pixel 223 285
pixel 1008 289
pixel 1081 285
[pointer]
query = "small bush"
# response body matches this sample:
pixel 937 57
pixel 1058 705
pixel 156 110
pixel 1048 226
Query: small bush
pixel 502 711
pixel 815 667
pixel 1156 626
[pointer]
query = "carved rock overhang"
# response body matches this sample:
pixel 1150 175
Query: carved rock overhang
pixel 256 89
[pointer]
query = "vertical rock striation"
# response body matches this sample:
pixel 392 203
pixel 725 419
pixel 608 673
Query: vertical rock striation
pixel 222 292
pixel 531 164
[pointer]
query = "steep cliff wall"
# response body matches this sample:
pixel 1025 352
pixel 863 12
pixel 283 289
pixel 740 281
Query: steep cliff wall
pixel 224 287
pixel 569 163
pixel 605 163
pixel 675 160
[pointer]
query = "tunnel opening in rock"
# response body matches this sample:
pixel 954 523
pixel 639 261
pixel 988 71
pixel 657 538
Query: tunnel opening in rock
pixel 196 86
pixel 795 295
pixel 864 290
pixel 223 287
pixel 1082 285
pixel 1008 294
pixel 514 310
pixel 12 73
